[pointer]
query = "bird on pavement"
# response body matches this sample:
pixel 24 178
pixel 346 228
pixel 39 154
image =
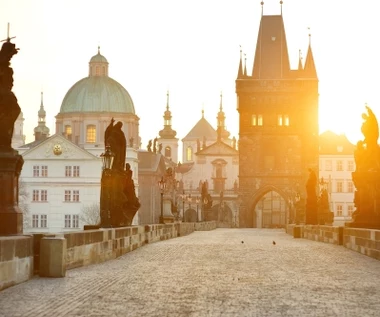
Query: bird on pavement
pixel 274 242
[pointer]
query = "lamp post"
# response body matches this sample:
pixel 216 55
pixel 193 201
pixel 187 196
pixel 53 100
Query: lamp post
pixel 297 198
pixel 106 186
pixel 162 186
pixel 197 200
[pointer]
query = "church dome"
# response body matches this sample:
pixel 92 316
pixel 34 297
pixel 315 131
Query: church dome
pixel 98 92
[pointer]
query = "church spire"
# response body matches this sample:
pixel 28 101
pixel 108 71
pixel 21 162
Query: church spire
pixel 245 65
pixel 310 69
pixel 300 67
pixel 240 71
pixel 221 121
pixel 41 132
pixel 167 132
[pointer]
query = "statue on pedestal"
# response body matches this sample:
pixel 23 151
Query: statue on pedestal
pixel 118 200
pixel 366 177
pixel 11 217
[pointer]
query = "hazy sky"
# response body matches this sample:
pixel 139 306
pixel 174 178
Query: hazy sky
pixel 190 48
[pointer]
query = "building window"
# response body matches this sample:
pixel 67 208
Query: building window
pixel 339 187
pixel 350 165
pixel 350 187
pixel 67 221
pixel 43 195
pixel 91 134
pixel 68 131
pixel 259 120
pixel 339 165
pixel 36 171
pixel 35 221
pixel 36 195
pixel 75 171
pixel 168 151
pixel 286 120
pixel 43 221
pixel 254 120
pixel 67 195
pixel 75 221
pixel 189 153
pixel 44 171
pixel 279 120
pixel 350 210
pixel 269 162
pixel 97 71
pixel 339 210
pixel 68 171
pixel 71 221
pixel 328 165
pixel 76 195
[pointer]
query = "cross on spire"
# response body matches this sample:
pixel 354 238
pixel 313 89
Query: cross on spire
pixel 8 39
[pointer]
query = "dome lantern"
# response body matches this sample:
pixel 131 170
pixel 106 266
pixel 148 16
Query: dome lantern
pixel 98 65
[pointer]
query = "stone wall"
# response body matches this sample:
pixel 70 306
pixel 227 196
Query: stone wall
pixel 365 241
pixel 327 234
pixel 16 260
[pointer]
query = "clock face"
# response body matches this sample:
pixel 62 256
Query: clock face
pixel 57 149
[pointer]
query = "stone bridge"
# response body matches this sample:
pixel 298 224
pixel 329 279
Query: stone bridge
pixel 222 272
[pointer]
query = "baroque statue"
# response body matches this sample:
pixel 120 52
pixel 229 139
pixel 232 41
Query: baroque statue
pixel 9 108
pixel 366 177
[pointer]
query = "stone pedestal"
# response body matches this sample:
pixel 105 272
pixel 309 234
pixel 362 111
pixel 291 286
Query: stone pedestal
pixel 53 256
pixel 167 206
pixel 11 217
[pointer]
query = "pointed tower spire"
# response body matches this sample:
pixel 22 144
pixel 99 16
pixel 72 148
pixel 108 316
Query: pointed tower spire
pixel 310 69
pixel 300 67
pixel 262 8
pixel 167 132
pixel 41 132
pixel 240 71
pixel 245 65
pixel 281 2
pixel 271 57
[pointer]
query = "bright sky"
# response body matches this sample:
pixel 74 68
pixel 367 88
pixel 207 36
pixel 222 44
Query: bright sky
pixel 190 48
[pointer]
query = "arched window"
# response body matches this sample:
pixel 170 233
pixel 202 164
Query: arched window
pixel 189 153
pixel 168 151
pixel 68 131
pixel 97 71
pixel 91 133
pixel 103 70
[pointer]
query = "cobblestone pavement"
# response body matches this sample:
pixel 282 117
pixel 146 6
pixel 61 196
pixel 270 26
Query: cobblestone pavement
pixel 211 274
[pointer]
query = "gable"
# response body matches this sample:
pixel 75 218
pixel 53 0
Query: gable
pixel 218 149
pixel 57 147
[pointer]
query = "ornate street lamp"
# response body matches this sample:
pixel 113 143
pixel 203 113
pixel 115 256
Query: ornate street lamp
pixel 107 158
pixel 106 188
pixel 162 186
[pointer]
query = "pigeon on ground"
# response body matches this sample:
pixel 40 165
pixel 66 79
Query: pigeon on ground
pixel 242 241
pixel 274 242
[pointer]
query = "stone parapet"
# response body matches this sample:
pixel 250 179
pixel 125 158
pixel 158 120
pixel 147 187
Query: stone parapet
pixel 365 241
pixel 16 260
pixel 327 234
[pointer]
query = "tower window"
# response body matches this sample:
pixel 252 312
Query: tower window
pixel 168 151
pixel 254 120
pixel 286 120
pixel 91 133
pixel 97 71
pixel 260 120
pixel 189 153
pixel 279 120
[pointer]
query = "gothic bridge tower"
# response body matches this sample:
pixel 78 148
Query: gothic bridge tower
pixel 278 130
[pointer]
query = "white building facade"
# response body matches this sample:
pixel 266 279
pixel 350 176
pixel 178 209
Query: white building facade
pixel 336 164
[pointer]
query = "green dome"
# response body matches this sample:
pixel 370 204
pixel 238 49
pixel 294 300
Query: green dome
pixel 97 94
pixel 98 58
